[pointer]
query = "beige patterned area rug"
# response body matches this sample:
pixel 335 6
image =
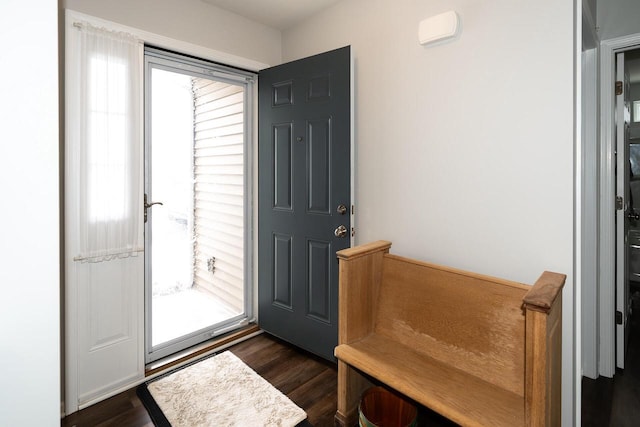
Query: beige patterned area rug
pixel 218 391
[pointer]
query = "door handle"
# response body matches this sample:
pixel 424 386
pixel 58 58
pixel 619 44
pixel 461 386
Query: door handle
pixel 341 231
pixel 148 205
pixel 634 216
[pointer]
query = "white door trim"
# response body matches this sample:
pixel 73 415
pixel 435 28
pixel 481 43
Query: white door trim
pixel 588 202
pixel 608 49
pixel 588 301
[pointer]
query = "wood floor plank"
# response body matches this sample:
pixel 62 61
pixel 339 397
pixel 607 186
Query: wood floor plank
pixel 253 345
pixel 124 409
pixel 318 397
pixel 317 388
pixel 295 373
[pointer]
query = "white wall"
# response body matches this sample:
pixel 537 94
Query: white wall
pixel 29 246
pixel 192 21
pixel 617 18
pixel 465 151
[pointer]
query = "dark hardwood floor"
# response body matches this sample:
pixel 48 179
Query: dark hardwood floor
pixel 615 402
pixel 307 380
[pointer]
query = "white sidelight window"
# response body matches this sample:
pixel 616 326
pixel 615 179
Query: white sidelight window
pixel 104 143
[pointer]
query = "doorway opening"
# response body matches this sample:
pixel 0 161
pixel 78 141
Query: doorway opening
pixel 627 118
pixel 197 201
pixel 632 64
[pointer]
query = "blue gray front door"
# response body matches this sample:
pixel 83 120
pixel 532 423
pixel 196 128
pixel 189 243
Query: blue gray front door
pixel 304 197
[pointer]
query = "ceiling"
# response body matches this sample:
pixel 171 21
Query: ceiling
pixel 280 14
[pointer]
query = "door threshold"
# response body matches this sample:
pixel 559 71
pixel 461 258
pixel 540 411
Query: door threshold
pixel 199 350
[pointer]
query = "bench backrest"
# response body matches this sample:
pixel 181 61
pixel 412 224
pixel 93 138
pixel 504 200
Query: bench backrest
pixel 473 322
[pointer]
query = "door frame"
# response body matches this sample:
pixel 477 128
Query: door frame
pixel 73 357
pixel 196 67
pixel 586 304
pixel 607 304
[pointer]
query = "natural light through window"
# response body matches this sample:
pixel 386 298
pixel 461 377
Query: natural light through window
pixel 107 90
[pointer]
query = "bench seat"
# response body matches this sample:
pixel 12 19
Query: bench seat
pixel 454 394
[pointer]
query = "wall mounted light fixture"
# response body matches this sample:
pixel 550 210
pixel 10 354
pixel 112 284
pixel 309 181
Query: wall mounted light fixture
pixel 439 28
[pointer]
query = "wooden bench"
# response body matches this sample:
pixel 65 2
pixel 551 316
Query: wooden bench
pixel 478 350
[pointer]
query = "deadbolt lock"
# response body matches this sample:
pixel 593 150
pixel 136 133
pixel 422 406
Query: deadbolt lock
pixel 341 209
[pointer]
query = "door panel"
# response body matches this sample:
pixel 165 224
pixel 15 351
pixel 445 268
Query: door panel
pixel 110 326
pixel 319 256
pixel 304 175
pixel 282 284
pixel 318 161
pixel 282 160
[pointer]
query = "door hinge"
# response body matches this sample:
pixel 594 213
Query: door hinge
pixel 619 88
pixel 618 318
pixel 619 203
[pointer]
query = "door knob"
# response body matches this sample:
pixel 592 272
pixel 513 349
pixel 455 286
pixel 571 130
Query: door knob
pixel 341 231
pixel 634 216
